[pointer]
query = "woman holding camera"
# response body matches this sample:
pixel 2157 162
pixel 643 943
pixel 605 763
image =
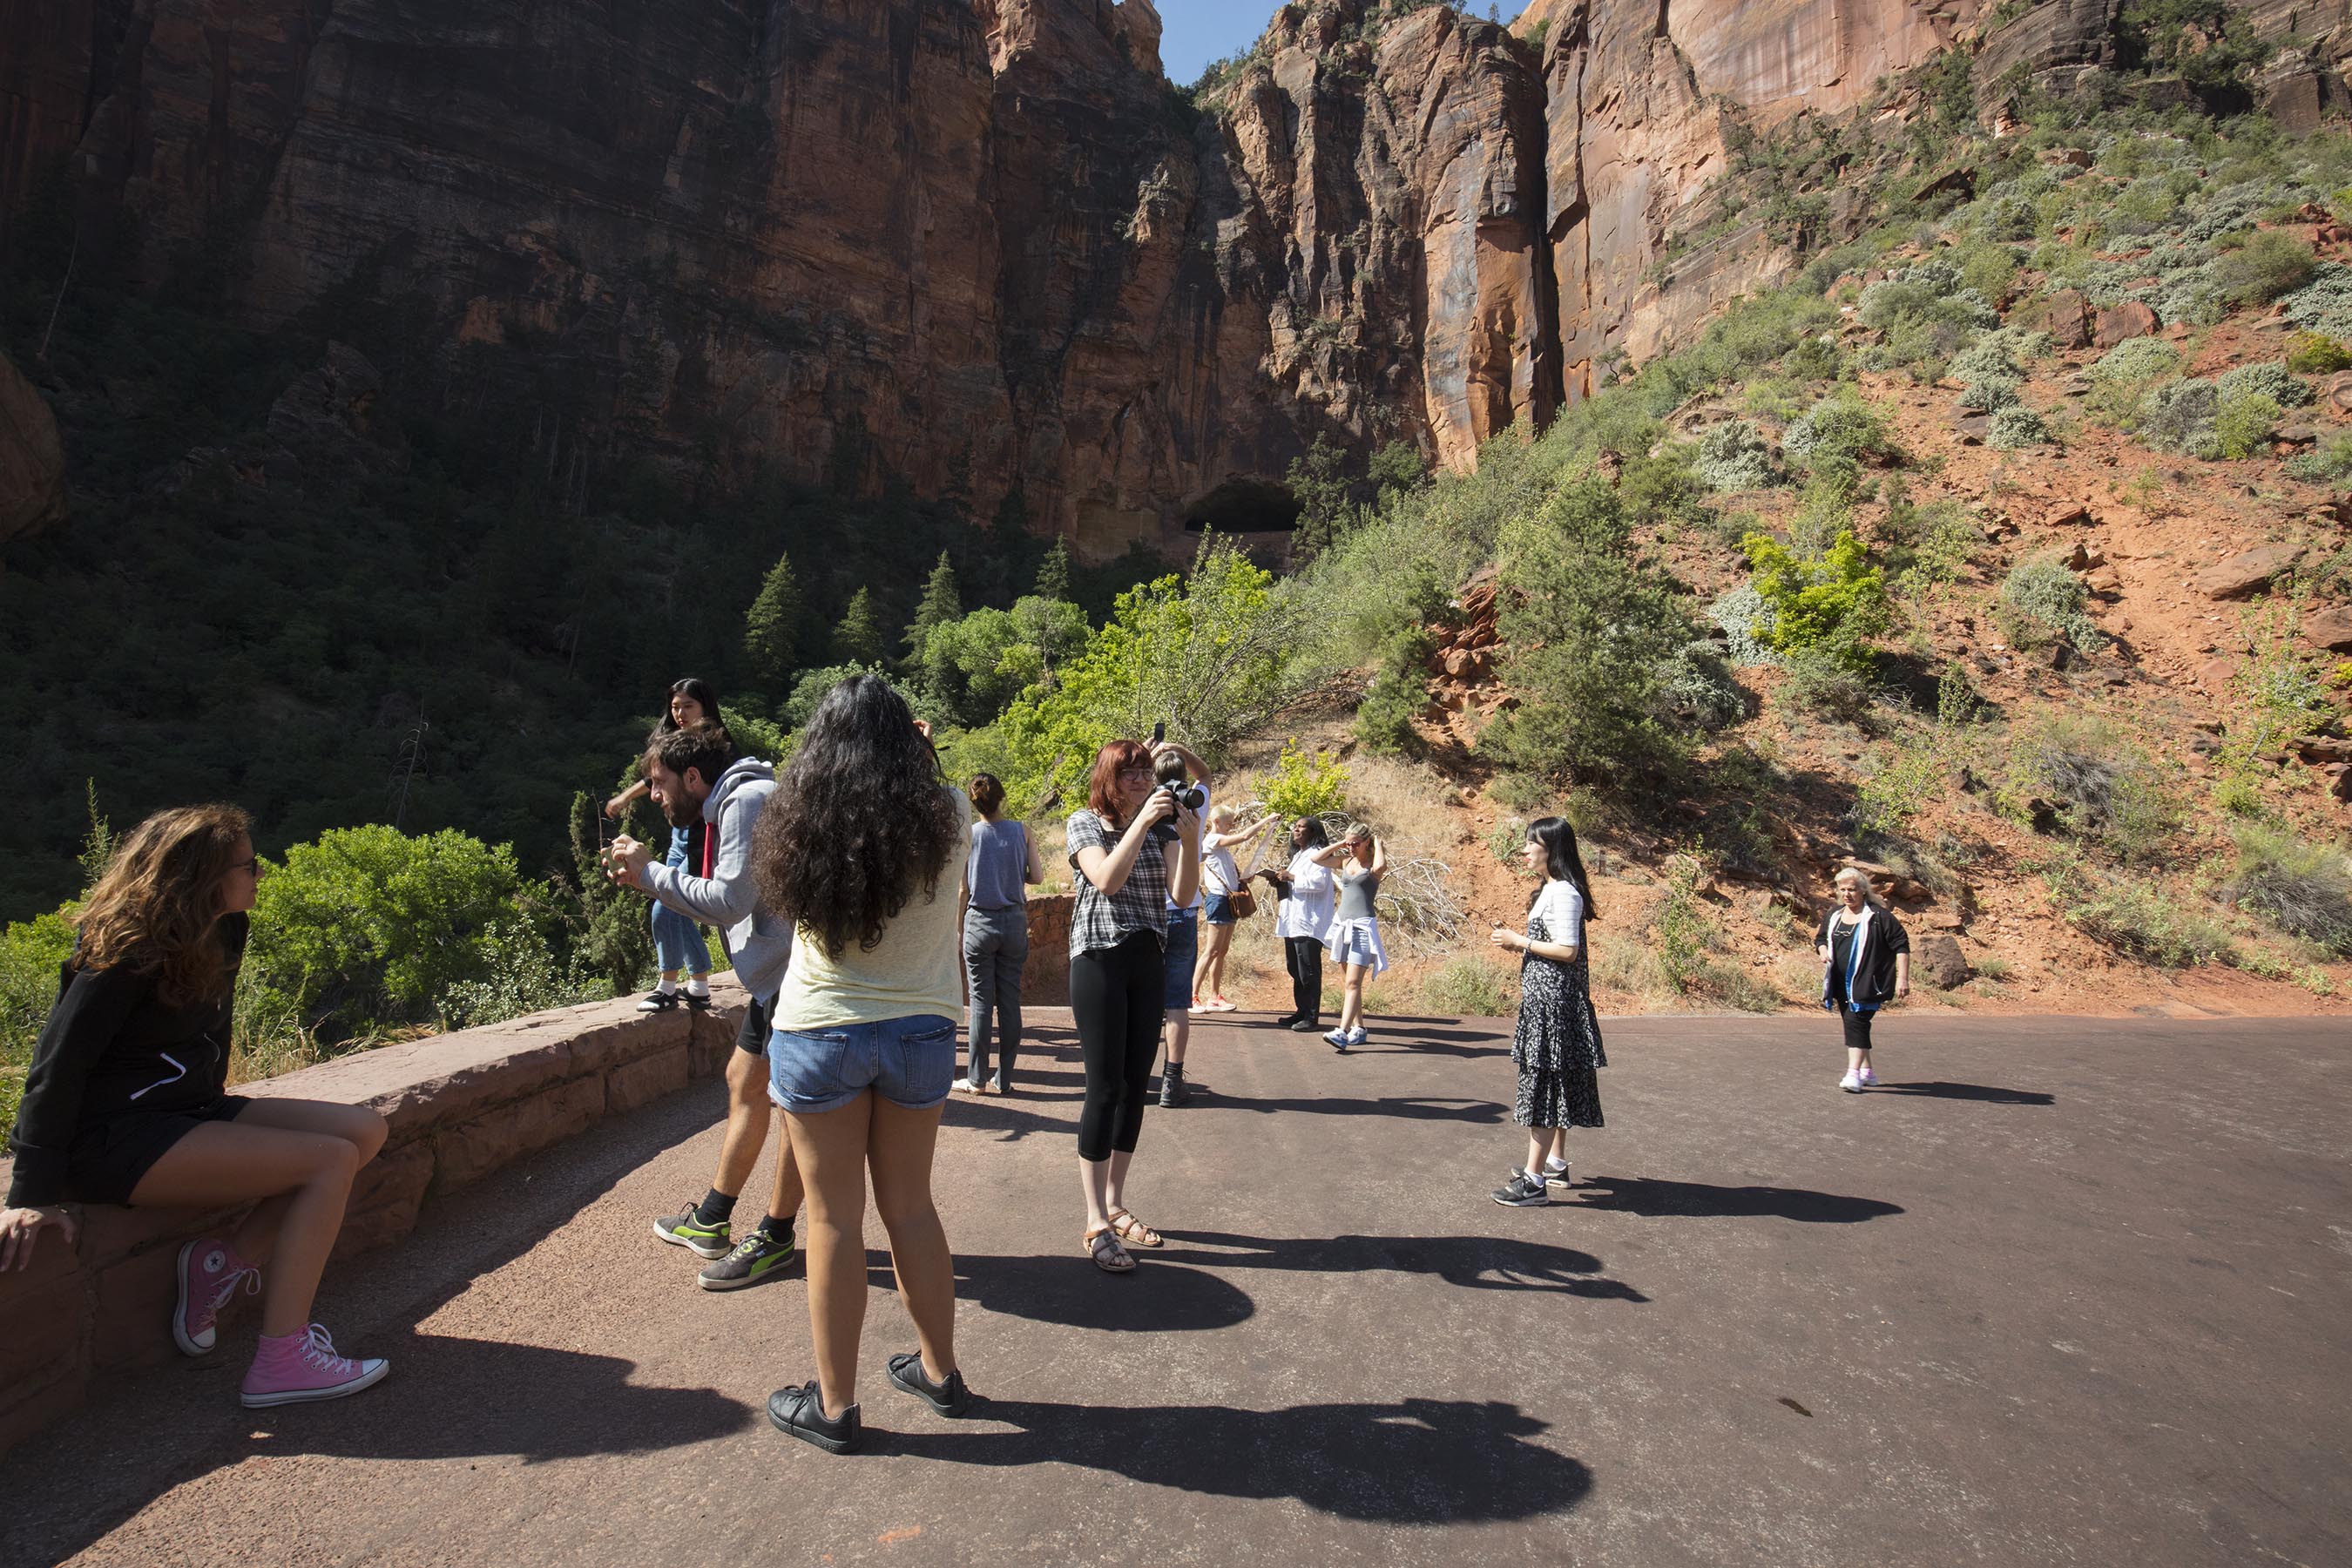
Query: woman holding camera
pixel 1136 854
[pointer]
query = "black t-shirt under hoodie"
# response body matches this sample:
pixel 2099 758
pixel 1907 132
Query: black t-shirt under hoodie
pixel 115 1047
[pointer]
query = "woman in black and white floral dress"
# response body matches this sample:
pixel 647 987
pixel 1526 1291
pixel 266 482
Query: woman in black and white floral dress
pixel 1557 1046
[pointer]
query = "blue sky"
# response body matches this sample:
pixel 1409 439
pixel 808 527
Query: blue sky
pixel 1195 32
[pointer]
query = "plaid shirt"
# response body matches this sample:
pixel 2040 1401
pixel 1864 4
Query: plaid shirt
pixel 1103 919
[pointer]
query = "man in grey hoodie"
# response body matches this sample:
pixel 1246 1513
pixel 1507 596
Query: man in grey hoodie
pixel 695 775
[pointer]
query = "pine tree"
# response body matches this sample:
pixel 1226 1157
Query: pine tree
pixel 1054 573
pixel 941 605
pixel 772 630
pixel 858 639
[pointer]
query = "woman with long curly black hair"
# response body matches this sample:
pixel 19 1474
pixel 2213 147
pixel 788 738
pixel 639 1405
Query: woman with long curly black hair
pixel 861 847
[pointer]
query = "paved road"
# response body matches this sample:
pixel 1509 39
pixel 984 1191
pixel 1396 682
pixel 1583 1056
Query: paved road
pixel 2065 1291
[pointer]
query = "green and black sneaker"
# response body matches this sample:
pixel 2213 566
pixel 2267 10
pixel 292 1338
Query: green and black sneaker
pixel 756 1259
pixel 688 1230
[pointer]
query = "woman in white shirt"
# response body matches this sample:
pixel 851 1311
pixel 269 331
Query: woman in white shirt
pixel 1557 1046
pixel 1221 878
pixel 1306 891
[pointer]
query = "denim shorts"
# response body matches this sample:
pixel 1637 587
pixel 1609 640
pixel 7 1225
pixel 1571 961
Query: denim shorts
pixel 907 1061
pixel 1183 950
pixel 1217 909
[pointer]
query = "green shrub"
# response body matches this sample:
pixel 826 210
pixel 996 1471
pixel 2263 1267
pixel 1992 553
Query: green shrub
pixel 2304 888
pixel 1304 786
pixel 2328 463
pixel 2271 263
pixel 2324 304
pixel 2016 426
pixel 1680 926
pixel 1734 456
pixel 30 953
pixel 1909 779
pixel 2150 924
pixel 1398 692
pixel 2178 416
pixel 1988 392
pixel 1836 601
pixel 1747 622
pixel 1841 425
pixel 1698 691
pixel 2134 360
pixel 2101 786
pixel 2040 600
pixel 1469 987
pixel 2266 378
pixel 368 929
pixel 2316 353
pixel 2243 426
pixel 1829 681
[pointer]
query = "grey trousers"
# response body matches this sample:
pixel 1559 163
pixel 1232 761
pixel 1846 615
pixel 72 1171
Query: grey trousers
pixel 995 949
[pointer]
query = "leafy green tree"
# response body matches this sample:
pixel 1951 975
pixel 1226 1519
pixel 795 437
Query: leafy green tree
pixel 772 628
pixel 1053 573
pixel 1318 482
pixel 941 605
pixel 858 639
pixel 1593 633
pixel 368 928
pixel 977 664
pixel 1834 602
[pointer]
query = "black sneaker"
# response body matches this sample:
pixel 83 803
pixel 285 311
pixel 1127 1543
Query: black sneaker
pixel 658 1002
pixel 1285 1020
pixel 800 1412
pixel 1307 1026
pixel 1523 1190
pixel 1173 1090
pixel 948 1398
pixel 699 1004
pixel 756 1259
pixel 690 1231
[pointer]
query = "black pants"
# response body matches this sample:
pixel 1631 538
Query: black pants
pixel 1115 995
pixel 1857 1027
pixel 1303 956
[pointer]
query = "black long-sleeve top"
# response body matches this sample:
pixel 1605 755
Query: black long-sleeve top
pixel 113 1044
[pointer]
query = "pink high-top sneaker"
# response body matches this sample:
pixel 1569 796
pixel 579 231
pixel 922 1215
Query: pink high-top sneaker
pixel 295 1369
pixel 210 1273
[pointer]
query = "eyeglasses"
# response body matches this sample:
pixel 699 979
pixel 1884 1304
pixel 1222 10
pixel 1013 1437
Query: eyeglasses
pixel 253 865
pixel 1142 772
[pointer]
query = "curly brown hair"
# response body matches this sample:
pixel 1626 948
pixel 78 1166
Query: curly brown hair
pixel 157 904
pixel 859 819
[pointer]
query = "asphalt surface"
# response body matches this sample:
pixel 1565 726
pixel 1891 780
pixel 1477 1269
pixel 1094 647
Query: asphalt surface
pixel 2064 1292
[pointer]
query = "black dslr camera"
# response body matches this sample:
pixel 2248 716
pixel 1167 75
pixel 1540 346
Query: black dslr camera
pixel 1169 769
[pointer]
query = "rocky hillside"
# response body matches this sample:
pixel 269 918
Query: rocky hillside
pixel 982 248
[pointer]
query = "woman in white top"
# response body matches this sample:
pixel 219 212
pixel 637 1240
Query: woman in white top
pixel 1359 863
pixel 1557 1046
pixel 862 848
pixel 1221 878
pixel 1305 889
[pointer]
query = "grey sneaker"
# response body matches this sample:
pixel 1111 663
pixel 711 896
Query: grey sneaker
pixel 1522 1191
pixel 800 1412
pixel 1173 1089
pixel 1555 1173
pixel 687 1229
pixel 756 1259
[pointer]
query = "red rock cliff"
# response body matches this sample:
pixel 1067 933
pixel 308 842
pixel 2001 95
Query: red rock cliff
pixel 979 245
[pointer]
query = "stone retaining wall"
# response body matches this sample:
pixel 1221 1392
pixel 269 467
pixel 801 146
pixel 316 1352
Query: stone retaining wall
pixel 459 1105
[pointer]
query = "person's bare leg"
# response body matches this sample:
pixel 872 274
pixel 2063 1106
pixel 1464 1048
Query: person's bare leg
pixel 785 1195
pixel 748 1111
pixel 1094 1177
pixel 1560 1145
pixel 1538 1144
pixel 255 1239
pixel 899 1153
pixel 1115 1179
pixel 1179 1034
pixel 830 1148
pixel 222 1162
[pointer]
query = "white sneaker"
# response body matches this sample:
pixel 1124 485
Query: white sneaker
pixel 1555 1173
pixel 1869 1078
pixel 1850 1082
pixel 964 1086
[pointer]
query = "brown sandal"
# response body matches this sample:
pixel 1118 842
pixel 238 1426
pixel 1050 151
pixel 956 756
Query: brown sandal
pixel 1102 1245
pixel 1132 1229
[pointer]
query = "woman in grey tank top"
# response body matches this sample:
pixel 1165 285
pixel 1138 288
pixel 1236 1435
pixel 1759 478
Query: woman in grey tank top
pixel 1358 862
pixel 1002 862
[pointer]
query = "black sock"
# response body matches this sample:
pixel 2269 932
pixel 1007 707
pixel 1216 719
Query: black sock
pixel 777 1229
pixel 715 1209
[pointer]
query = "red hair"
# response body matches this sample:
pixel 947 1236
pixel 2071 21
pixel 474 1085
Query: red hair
pixel 1102 790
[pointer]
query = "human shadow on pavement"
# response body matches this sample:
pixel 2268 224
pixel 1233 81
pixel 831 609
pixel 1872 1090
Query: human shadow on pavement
pixel 1406 1107
pixel 1657 1199
pixel 1422 1461
pixel 1989 1094
pixel 1471 1262
pixel 1071 1291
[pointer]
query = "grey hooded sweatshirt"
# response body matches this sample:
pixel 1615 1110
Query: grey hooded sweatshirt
pixel 759 944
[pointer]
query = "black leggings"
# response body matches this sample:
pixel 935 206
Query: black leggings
pixel 1115 995
pixel 1857 1027
pixel 1303 956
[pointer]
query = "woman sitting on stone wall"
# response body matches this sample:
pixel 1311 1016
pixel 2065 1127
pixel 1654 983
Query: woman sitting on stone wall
pixel 127 1103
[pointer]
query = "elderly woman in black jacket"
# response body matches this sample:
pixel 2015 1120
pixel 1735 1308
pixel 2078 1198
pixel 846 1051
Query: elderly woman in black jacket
pixel 1865 963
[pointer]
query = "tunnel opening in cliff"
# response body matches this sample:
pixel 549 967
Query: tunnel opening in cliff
pixel 1244 505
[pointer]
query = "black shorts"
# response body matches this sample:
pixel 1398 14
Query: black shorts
pixel 109 1156
pixel 751 1037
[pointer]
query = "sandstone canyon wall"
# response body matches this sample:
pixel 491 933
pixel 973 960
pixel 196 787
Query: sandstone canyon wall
pixel 978 245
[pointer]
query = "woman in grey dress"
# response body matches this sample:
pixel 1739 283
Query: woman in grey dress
pixel 1003 863
pixel 1556 1044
